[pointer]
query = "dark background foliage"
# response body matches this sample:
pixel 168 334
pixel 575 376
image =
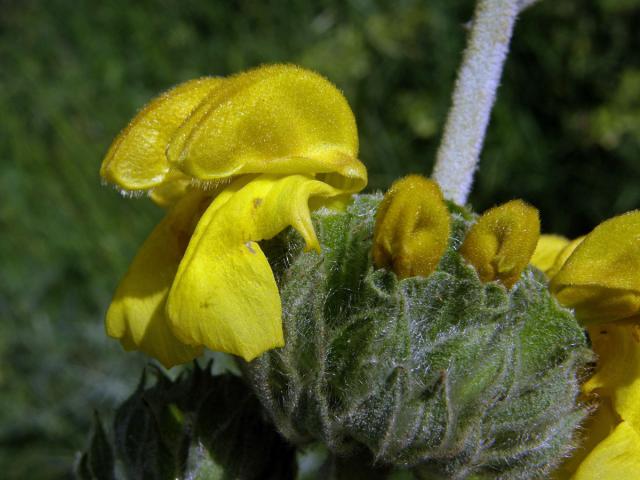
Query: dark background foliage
pixel 565 136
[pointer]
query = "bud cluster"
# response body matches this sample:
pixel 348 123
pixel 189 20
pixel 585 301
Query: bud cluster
pixel 446 374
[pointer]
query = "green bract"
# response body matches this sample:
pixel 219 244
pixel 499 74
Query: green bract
pixel 450 376
pixel 198 427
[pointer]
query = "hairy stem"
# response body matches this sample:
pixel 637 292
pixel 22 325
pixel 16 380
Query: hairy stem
pixel 524 4
pixel 473 96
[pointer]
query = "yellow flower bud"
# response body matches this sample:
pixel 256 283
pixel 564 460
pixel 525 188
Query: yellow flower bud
pixel 500 244
pixel 412 228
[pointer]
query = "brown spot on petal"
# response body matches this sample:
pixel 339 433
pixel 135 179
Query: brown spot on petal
pixel 181 236
pixel 257 202
pixel 635 333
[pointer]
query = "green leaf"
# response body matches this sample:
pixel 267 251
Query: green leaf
pixel 198 426
pixel 97 463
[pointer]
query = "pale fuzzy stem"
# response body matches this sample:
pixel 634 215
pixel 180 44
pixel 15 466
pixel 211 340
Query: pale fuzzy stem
pixel 473 96
pixel 524 4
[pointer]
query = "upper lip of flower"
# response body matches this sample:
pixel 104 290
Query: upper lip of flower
pixel 598 276
pixel 274 119
pixel 279 135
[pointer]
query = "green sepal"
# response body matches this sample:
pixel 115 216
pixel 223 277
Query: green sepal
pixel 98 462
pixel 198 426
pixel 148 431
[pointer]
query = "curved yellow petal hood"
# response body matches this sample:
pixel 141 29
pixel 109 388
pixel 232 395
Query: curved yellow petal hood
pixel 601 279
pixel 277 119
pixel 136 159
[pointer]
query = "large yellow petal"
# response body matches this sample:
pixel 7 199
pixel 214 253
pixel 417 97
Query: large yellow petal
pixel 224 295
pixel 136 159
pixel 136 315
pixel 547 250
pixel 500 244
pixel 600 280
pixel 597 427
pixel 278 119
pixel 615 458
pixel 618 372
pixel 412 228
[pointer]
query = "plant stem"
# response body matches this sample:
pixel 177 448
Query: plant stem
pixel 524 4
pixel 473 96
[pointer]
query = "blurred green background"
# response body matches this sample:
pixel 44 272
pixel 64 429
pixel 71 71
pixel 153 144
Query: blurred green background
pixel 565 136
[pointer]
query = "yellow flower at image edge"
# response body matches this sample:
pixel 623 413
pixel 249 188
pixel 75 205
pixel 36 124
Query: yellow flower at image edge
pixel 599 277
pixel 237 160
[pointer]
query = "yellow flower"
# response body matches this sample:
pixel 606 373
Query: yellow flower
pixel 599 277
pixel 237 160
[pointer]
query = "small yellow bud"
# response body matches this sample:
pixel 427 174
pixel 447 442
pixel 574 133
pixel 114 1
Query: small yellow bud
pixel 412 228
pixel 500 244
